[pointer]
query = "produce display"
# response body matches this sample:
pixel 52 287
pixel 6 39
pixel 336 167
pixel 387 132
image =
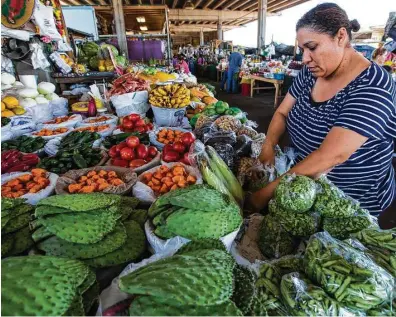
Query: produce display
pixel 24 144
pixel 97 119
pixel 134 123
pixel 30 183
pixel 128 83
pixel 15 233
pixel 179 150
pixel 346 274
pixel 209 292
pixel 10 107
pixel 15 161
pixel 47 286
pixel 165 179
pixel 195 212
pixel 50 132
pixel 170 96
pixel 59 120
pixel 100 229
pixel 115 139
pixel 131 153
pixel 94 128
pixel 95 182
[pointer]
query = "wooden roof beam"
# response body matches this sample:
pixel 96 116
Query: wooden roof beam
pixel 174 4
pixel 246 6
pixel 74 2
pixel 197 3
pixel 231 3
pixel 209 15
pixel 285 4
pixel 206 6
pixel 219 4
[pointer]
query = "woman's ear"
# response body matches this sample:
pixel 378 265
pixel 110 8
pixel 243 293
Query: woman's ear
pixel 342 37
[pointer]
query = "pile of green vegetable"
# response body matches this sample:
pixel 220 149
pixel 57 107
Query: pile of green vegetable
pixel 101 229
pixel 346 274
pixel 197 281
pixel 195 212
pixel 46 286
pixel 15 233
pixel 75 152
pixel 25 144
pixel 5 121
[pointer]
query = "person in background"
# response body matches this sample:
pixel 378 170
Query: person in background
pixel 201 60
pixel 340 114
pixel 182 64
pixel 235 62
pixel 224 79
pixel 378 56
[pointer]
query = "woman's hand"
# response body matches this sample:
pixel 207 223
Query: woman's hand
pixel 260 199
pixel 267 155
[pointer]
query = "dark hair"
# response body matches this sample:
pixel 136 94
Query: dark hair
pixel 377 52
pixel 328 18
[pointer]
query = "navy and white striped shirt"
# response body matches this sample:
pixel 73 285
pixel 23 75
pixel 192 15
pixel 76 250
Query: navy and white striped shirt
pixel 367 106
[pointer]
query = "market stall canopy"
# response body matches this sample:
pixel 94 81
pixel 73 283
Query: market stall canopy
pixel 188 15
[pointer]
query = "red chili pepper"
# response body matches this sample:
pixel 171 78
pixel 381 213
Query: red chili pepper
pixel 19 168
pixel 29 156
pixel 31 162
pixel 4 166
pixel 13 161
pixel 9 154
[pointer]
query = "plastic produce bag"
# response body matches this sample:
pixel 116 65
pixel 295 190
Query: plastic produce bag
pixel 133 102
pixel 332 202
pixel 33 199
pixel 214 136
pixel 297 224
pixel 6 135
pixel 226 152
pixel 70 123
pixel 200 132
pixel 379 238
pixel 296 193
pixel 284 160
pixel 243 146
pixel 268 300
pixel 88 122
pixel 227 123
pixel 21 125
pixel 248 131
pixel 154 133
pixel 44 19
pixel 244 167
pixel 59 107
pixel 288 264
pixel 146 195
pixel 257 144
pixel 260 175
pixel 40 113
pixel 348 275
pixel 342 228
pixel 274 241
pixel 303 298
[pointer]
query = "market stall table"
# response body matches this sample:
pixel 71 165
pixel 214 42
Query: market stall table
pixel 277 83
pixel 89 77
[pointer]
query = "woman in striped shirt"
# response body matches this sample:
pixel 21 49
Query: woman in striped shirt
pixel 340 114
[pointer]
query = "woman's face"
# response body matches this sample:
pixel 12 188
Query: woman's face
pixel 322 53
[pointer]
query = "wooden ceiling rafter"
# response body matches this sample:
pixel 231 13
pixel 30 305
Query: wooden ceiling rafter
pixel 219 4
pixel 286 5
pixel 231 3
pixel 249 5
pixel 208 4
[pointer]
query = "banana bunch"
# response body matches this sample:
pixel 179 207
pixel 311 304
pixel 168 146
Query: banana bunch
pixel 170 96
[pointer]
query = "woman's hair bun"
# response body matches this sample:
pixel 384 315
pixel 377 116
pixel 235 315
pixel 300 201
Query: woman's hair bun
pixel 355 25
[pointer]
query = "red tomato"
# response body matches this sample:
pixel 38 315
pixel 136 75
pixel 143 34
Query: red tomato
pixel 132 141
pixel 188 138
pixel 113 151
pixel 127 154
pixel 120 146
pixel 167 148
pixel 179 147
pixel 170 156
pixel 150 126
pixel 119 162
pixel 186 159
pixel 140 123
pixel 152 151
pixel 127 124
pixel 142 151
pixel 134 117
pixel 137 163
pixel 139 129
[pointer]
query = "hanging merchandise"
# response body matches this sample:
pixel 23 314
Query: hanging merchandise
pixel 44 19
pixel 15 13
pixel 38 58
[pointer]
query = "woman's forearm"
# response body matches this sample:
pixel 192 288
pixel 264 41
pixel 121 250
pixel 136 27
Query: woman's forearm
pixel 276 129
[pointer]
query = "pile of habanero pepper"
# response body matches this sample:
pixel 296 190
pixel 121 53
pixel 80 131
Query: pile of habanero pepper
pixel 15 161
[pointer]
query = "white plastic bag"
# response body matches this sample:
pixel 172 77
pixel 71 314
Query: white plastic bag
pixel 21 125
pixel 40 113
pixel 133 102
pixel 50 137
pixel 104 133
pixel 71 123
pixel 145 194
pixel 33 199
pixel 59 107
pixel 44 18
pixel 6 135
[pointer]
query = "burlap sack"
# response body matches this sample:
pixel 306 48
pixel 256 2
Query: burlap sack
pixel 125 174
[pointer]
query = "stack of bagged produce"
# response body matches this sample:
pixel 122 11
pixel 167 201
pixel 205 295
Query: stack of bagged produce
pixel 199 280
pixel 195 212
pixel 299 209
pixel 15 232
pixel 46 286
pixel 100 229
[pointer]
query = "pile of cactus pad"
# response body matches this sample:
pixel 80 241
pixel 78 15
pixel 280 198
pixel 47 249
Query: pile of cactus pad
pixel 201 279
pixel 103 230
pixel 15 232
pixel 46 286
pixel 195 212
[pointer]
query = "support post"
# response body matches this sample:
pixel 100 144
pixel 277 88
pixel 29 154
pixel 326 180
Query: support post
pixel 262 16
pixel 201 37
pixel 220 30
pixel 168 37
pixel 120 26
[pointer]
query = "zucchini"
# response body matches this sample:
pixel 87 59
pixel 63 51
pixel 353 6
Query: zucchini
pixel 79 161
